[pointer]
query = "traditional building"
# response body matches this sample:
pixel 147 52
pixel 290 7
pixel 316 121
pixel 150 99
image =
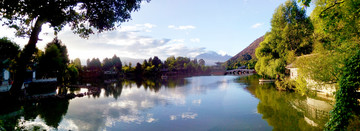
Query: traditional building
pixel 320 87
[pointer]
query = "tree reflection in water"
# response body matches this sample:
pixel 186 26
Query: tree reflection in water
pixel 26 116
pixel 288 110
pixel 51 112
pixel 140 104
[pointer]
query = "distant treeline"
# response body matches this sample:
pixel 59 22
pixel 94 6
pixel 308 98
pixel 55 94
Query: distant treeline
pixel 53 62
pixel 151 68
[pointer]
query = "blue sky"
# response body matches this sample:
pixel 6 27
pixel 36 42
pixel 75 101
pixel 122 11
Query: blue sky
pixel 173 27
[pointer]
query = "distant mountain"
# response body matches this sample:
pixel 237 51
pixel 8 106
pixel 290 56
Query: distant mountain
pixel 211 57
pixel 248 50
pixel 245 55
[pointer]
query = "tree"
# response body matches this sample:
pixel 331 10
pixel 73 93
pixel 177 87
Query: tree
pixel 50 63
pixel 77 63
pixel 202 62
pixel 347 103
pixel 170 63
pixel 336 56
pixel 72 74
pixel 94 64
pixel 156 62
pixel 290 36
pixel 8 51
pixel 27 17
pixel 116 62
pixel 138 69
pixel 54 62
pixel 107 64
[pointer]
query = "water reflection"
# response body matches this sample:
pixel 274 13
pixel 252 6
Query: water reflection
pixel 288 111
pixel 42 115
pixel 196 103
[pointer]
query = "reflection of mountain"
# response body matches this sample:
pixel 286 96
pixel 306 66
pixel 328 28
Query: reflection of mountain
pixel 288 111
pixel 211 57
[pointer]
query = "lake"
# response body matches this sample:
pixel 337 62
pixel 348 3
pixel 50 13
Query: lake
pixel 194 103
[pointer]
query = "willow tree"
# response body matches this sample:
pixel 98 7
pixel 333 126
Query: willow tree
pixel 84 16
pixel 290 36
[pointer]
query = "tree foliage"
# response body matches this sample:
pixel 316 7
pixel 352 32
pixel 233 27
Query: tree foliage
pixel 82 16
pixel 290 36
pixel 336 54
pixel 8 52
pixel 54 62
pixel 94 64
pixel 77 63
pixel 337 37
pixel 347 103
pixel 28 16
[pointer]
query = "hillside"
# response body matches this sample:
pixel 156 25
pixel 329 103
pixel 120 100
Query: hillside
pixel 245 55
pixel 248 50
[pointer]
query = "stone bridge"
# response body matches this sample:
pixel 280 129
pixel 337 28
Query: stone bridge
pixel 240 72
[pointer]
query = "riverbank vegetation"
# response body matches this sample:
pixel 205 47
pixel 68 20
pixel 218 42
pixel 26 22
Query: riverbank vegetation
pixel 324 48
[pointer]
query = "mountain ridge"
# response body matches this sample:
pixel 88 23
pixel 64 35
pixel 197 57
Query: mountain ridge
pixel 246 55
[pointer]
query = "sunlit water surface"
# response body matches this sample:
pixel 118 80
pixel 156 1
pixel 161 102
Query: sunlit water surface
pixel 195 103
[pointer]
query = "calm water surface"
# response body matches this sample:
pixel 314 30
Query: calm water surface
pixel 195 103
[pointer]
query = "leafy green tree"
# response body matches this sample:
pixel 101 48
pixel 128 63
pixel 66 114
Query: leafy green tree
pixel 72 74
pixel 290 36
pixel 77 63
pixel 27 17
pixel 336 56
pixel 170 63
pixel 347 104
pixel 336 39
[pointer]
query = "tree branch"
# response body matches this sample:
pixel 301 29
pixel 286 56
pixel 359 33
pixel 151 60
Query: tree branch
pixel 335 3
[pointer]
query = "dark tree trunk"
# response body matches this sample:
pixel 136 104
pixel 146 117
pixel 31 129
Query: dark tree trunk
pixel 25 57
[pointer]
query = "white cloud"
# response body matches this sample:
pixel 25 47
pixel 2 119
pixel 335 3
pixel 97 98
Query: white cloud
pixel 257 25
pixel 195 40
pixel 172 117
pixel 127 41
pixel 196 102
pixel 137 28
pixel 221 52
pixel 183 27
pixel 189 115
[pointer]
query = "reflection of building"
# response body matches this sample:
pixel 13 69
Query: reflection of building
pixel 316 112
